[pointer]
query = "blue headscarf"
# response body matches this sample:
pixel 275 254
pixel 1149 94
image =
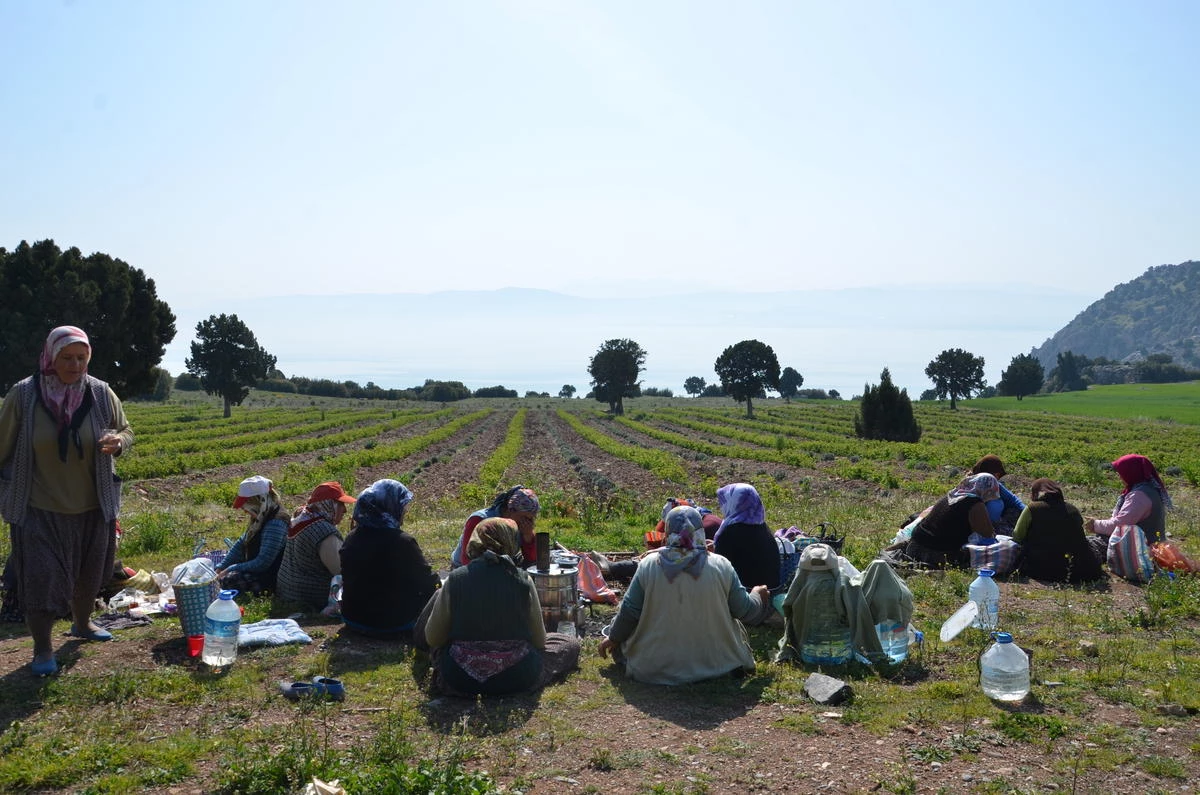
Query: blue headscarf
pixel 740 504
pixel 381 505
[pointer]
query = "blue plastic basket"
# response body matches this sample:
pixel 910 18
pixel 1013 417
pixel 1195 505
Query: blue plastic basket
pixel 193 601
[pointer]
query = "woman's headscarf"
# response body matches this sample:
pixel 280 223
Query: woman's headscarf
pixel 381 505
pixel 496 535
pixel 322 504
pixel 62 400
pixel 1134 469
pixel 740 504
pixel 1045 490
pixel 684 548
pixel 984 486
pixel 519 499
pixel 262 509
pixel 990 464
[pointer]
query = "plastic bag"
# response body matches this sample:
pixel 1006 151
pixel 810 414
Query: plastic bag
pixel 591 582
pixel 1129 554
pixel 196 571
pixel 1000 556
pixel 1169 556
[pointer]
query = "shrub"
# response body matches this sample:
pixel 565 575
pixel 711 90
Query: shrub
pixel 886 413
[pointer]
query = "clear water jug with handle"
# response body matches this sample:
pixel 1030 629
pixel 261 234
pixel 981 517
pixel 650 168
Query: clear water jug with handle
pixel 1004 670
pixel 221 623
pixel 985 593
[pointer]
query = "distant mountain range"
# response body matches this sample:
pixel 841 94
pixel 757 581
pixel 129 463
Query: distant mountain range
pixel 1158 312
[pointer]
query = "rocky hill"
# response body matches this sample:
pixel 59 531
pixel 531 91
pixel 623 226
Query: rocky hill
pixel 1158 312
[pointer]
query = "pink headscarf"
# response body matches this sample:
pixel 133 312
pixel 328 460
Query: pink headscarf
pixel 62 399
pixel 1134 469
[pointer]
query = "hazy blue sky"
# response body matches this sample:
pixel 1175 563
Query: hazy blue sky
pixel 604 148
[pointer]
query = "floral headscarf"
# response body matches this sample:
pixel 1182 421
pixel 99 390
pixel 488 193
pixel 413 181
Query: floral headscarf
pixel 1136 469
pixel 381 505
pixel 496 535
pixel 61 399
pixel 684 548
pixel 262 509
pixel 522 500
pixel 740 504
pixel 983 486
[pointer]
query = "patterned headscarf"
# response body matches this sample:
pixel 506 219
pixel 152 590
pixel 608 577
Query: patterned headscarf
pixel 1137 469
pixel 684 548
pixel 496 535
pixel 522 500
pixel 983 486
pixel 262 509
pixel 381 505
pixel 1045 490
pixel 62 399
pixel 740 504
pixel 314 511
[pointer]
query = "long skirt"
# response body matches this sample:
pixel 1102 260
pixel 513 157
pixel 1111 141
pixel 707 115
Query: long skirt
pixel 60 557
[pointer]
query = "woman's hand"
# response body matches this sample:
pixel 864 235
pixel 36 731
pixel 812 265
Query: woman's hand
pixel 604 647
pixel 110 443
pixel 1089 524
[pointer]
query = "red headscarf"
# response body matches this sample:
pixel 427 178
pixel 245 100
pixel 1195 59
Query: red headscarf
pixel 1135 469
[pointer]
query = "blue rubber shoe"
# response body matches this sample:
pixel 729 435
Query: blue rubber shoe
pixel 46 668
pixel 294 691
pixel 329 688
pixel 90 634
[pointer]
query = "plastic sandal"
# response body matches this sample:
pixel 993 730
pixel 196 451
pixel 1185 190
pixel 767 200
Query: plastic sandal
pixel 47 668
pixel 295 691
pixel 90 634
pixel 330 688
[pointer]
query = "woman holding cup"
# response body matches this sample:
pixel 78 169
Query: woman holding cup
pixel 59 432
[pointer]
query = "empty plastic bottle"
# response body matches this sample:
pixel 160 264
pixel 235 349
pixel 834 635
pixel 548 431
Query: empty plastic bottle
pixel 1004 670
pixel 985 593
pixel 221 623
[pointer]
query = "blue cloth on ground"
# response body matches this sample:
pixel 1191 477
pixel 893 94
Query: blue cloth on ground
pixel 271 632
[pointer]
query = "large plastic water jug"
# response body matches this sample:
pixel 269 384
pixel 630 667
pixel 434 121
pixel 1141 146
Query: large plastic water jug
pixel 1004 670
pixel 985 593
pixel 221 623
pixel 826 638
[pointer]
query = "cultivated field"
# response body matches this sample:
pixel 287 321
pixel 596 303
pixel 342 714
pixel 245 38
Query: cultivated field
pixel 1113 664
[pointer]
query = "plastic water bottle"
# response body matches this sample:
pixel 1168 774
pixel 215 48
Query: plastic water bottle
pixel 893 637
pixel 1004 670
pixel 985 593
pixel 826 640
pixel 221 623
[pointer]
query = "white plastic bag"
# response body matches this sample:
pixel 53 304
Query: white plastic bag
pixel 196 571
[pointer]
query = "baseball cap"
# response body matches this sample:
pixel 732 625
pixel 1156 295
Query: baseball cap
pixel 253 486
pixel 331 490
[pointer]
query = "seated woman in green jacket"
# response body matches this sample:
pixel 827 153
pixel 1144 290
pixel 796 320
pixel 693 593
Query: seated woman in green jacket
pixel 1054 545
pixel 484 627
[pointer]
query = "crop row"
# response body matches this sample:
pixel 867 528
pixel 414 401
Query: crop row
pixel 660 463
pixel 492 471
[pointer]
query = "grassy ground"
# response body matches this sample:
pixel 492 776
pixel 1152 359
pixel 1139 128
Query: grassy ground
pixel 1113 708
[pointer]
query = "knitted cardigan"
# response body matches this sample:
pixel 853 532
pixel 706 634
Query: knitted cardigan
pixel 16 474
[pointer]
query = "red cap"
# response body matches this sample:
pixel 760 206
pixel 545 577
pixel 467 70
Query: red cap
pixel 330 491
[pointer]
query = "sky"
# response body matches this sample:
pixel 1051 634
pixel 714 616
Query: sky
pixel 605 149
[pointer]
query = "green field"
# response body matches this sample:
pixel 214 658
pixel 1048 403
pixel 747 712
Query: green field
pixel 137 716
pixel 1163 402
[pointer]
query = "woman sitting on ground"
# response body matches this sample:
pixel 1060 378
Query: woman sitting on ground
pixel 678 622
pixel 744 537
pixel 938 539
pixel 1054 546
pixel 310 557
pixel 623 570
pixel 484 627
pixel 1006 507
pixel 385 577
pixel 519 504
pixel 1144 503
pixel 252 564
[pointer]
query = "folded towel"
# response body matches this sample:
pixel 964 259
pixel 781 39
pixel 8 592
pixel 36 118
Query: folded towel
pixel 271 632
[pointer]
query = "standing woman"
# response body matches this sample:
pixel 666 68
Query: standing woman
pixel 59 492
